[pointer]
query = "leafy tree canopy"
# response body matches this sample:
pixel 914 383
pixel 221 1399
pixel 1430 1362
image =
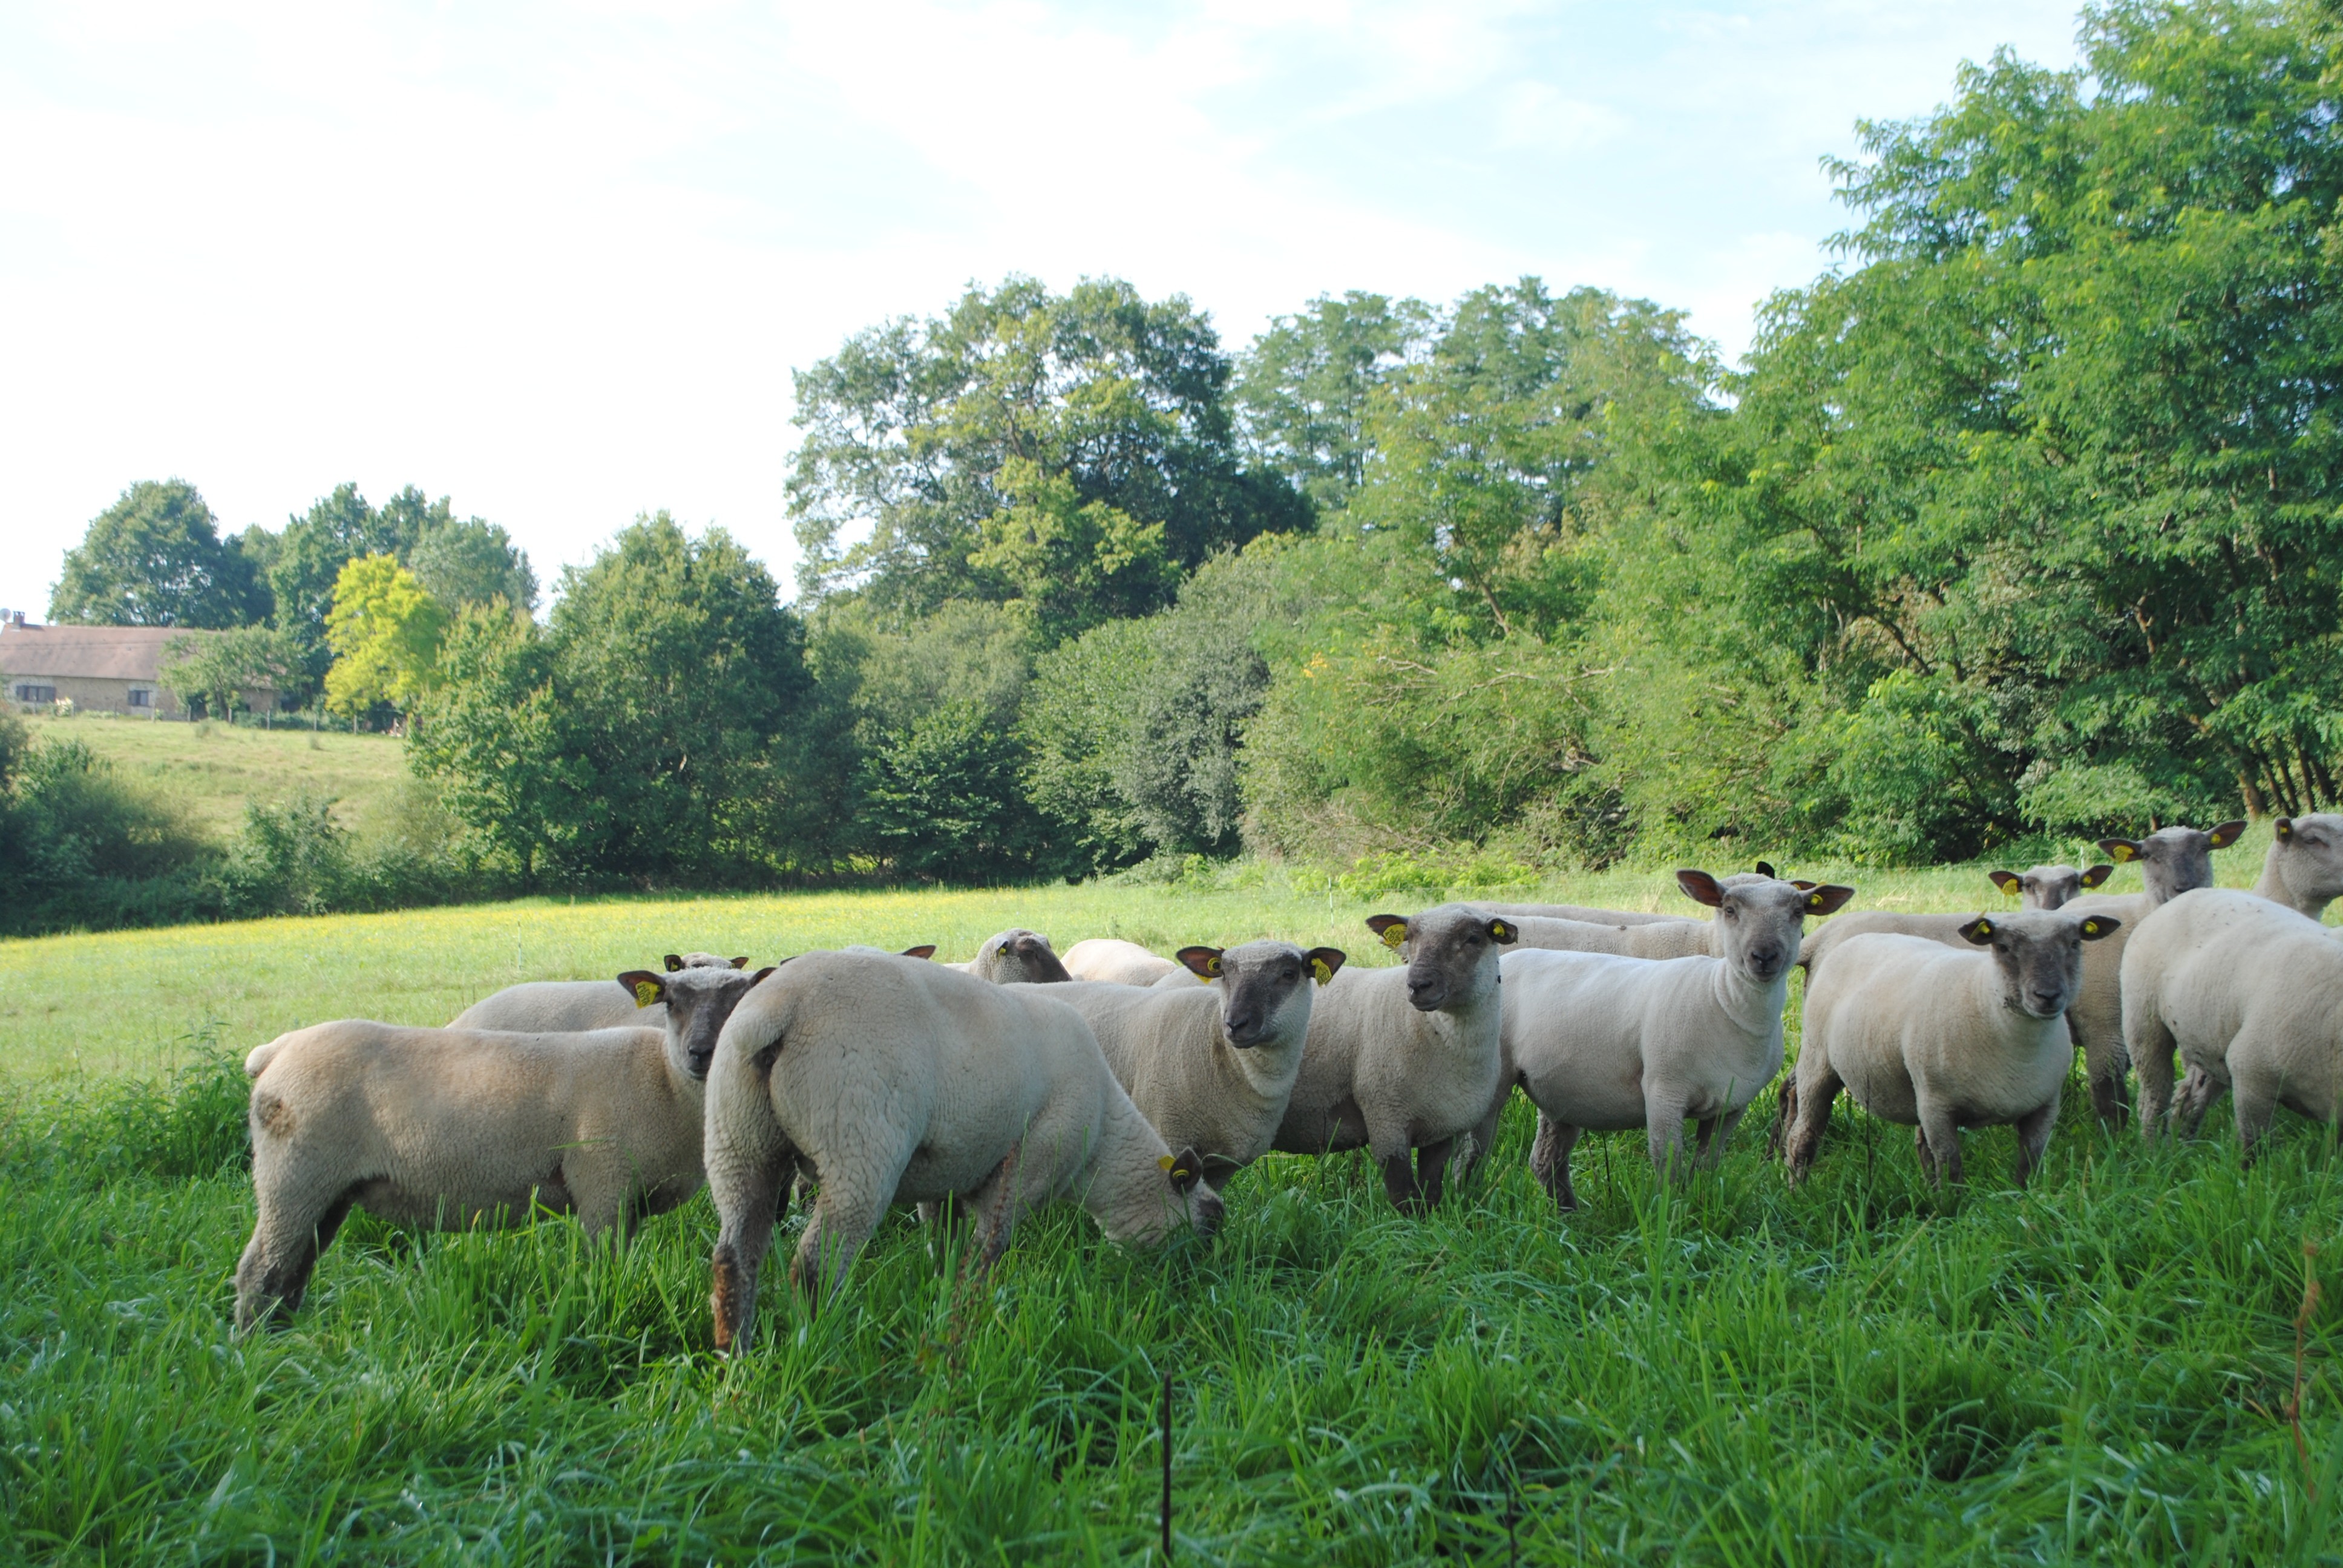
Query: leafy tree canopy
pixel 1303 387
pixel 154 558
pixel 385 629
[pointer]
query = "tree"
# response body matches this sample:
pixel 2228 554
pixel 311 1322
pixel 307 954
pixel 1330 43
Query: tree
pixel 472 562
pixel 308 558
pixel 385 629
pixel 218 667
pixel 1026 443
pixel 494 732
pixel 154 558
pixel 1303 387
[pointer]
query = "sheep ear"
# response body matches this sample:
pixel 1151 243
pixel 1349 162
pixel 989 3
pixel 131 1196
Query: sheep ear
pixel 1764 869
pixel 758 978
pixel 648 988
pixel 2122 851
pixel 2098 874
pixel 1393 928
pixel 1324 961
pixel 1504 931
pixel 1204 961
pixel 924 950
pixel 2097 926
pixel 2006 880
pixel 674 962
pixel 1829 899
pixel 2227 833
pixel 1185 1168
pixel 1804 886
pixel 1700 887
pixel 2284 826
pixel 741 962
pixel 1979 931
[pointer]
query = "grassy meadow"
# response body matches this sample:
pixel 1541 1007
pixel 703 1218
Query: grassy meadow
pixel 209 771
pixel 2116 1363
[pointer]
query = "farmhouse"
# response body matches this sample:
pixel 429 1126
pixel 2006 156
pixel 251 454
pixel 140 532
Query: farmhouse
pixel 101 669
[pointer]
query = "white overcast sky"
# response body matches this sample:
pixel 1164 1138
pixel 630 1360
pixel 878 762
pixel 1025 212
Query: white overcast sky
pixel 558 262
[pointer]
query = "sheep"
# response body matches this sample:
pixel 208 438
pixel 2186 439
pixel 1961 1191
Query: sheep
pixel 1211 1066
pixel 1016 956
pixel 2049 886
pixel 1403 1060
pixel 1586 914
pixel 1116 962
pixel 1609 1042
pixel 2250 992
pixel 449 1127
pixel 899 1082
pixel 1938 1040
pixel 1651 940
pixel 2303 869
pixel 561 1007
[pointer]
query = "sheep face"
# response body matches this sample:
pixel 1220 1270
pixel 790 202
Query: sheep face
pixel 2311 856
pixel 2048 887
pixel 2172 860
pixel 1760 921
pixel 2040 954
pixel 698 1000
pixel 1019 957
pixel 1190 1203
pixel 704 961
pixel 1258 982
pixel 1450 951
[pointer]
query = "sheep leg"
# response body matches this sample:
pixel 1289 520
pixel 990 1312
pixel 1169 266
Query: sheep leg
pixel 273 1275
pixel 1431 1164
pixel 1550 1160
pixel 1810 1105
pixel 2151 1045
pixel 2254 1098
pixel 1663 1119
pixel 1939 1141
pixel 746 1193
pixel 840 1224
pixel 1399 1184
pixel 2034 1139
pixel 1715 1134
pixel 2198 1089
pixel 2099 1035
pixel 994 1205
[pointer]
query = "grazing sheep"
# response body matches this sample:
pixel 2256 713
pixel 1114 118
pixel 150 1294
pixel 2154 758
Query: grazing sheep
pixel 2251 993
pixel 1404 1059
pixel 561 1007
pixel 1607 1042
pixel 1939 1039
pixel 2303 869
pixel 1116 962
pixel 452 1126
pixel 2049 886
pixel 1211 1066
pixel 2172 860
pixel 1016 956
pixel 898 1082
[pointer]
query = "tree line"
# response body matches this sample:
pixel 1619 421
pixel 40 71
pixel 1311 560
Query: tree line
pixel 2020 522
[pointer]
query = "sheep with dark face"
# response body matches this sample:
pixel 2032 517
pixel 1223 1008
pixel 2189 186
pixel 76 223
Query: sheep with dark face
pixel 1016 956
pixel 1938 1040
pixel 2049 886
pixel 1403 1061
pixel 457 1127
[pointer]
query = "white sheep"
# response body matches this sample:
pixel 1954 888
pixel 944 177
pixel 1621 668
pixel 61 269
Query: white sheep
pixel 1605 1042
pixel 900 1082
pixel 2304 867
pixel 1116 962
pixel 1015 957
pixel 1938 1040
pixel 1403 1061
pixel 2250 992
pixel 554 1007
pixel 1651 940
pixel 1211 1066
pixel 452 1126
pixel 2049 886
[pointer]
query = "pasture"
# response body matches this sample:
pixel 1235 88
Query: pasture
pixel 210 770
pixel 2119 1361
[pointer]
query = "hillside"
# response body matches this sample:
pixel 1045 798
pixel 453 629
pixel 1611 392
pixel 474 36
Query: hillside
pixel 211 771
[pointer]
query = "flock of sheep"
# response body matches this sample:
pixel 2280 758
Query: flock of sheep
pixel 1137 1084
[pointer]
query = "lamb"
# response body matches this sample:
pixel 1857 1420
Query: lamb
pixel 1609 1042
pixel 2049 886
pixel 914 1082
pixel 1016 956
pixel 1212 1065
pixel 2303 869
pixel 1938 1040
pixel 2250 991
pixel 560 1007
pixel 1116 962
pixel 451 1127
pixel 1404 1059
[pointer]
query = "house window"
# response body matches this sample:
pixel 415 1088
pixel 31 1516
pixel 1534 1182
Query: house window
pixel 141 698
pixel 37 694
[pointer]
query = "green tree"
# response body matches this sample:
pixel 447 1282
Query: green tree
pixel 1303 387
pixel 495 731
pixel 308 556
pixel 154 558
pixel 384 629
pixel 472 562
pixel 218 667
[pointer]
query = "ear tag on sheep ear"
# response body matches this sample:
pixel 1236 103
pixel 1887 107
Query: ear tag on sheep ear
pixel 1170 1167
pixel 1501 932
pixel 2119 851
pixel 1213 966
pixel 1814 899
pixel 1395 935
pixel 647 993
pixel 1983 927
pixel 1322 972
pixel 2092 928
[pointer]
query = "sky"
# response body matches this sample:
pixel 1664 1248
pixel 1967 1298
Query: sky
pixel 558 262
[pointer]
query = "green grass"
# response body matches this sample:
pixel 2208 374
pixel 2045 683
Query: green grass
pixel 1863 1369
pixel 210 770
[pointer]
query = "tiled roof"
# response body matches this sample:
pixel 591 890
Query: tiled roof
pixel 88 652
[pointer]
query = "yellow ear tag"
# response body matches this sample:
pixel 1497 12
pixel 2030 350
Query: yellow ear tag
pixel 2091 928
pixel 1984 928
pixel 646 992
pixel 1318 967
pixel 1165 1162
pixel 1395 936
pixel 1813 901
pixel 1500 931
pixel 2123 852
pixel 1212 965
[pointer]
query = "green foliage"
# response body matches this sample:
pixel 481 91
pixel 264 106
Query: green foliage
pixel 385 629
pixel 472 562
pixel 218 669
pixel 1303 387
pixel 154 558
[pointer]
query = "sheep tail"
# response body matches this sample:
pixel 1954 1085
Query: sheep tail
pixel 262 1055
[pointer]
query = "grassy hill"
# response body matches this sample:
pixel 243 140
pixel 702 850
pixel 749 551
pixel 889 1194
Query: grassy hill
pixel 210 769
